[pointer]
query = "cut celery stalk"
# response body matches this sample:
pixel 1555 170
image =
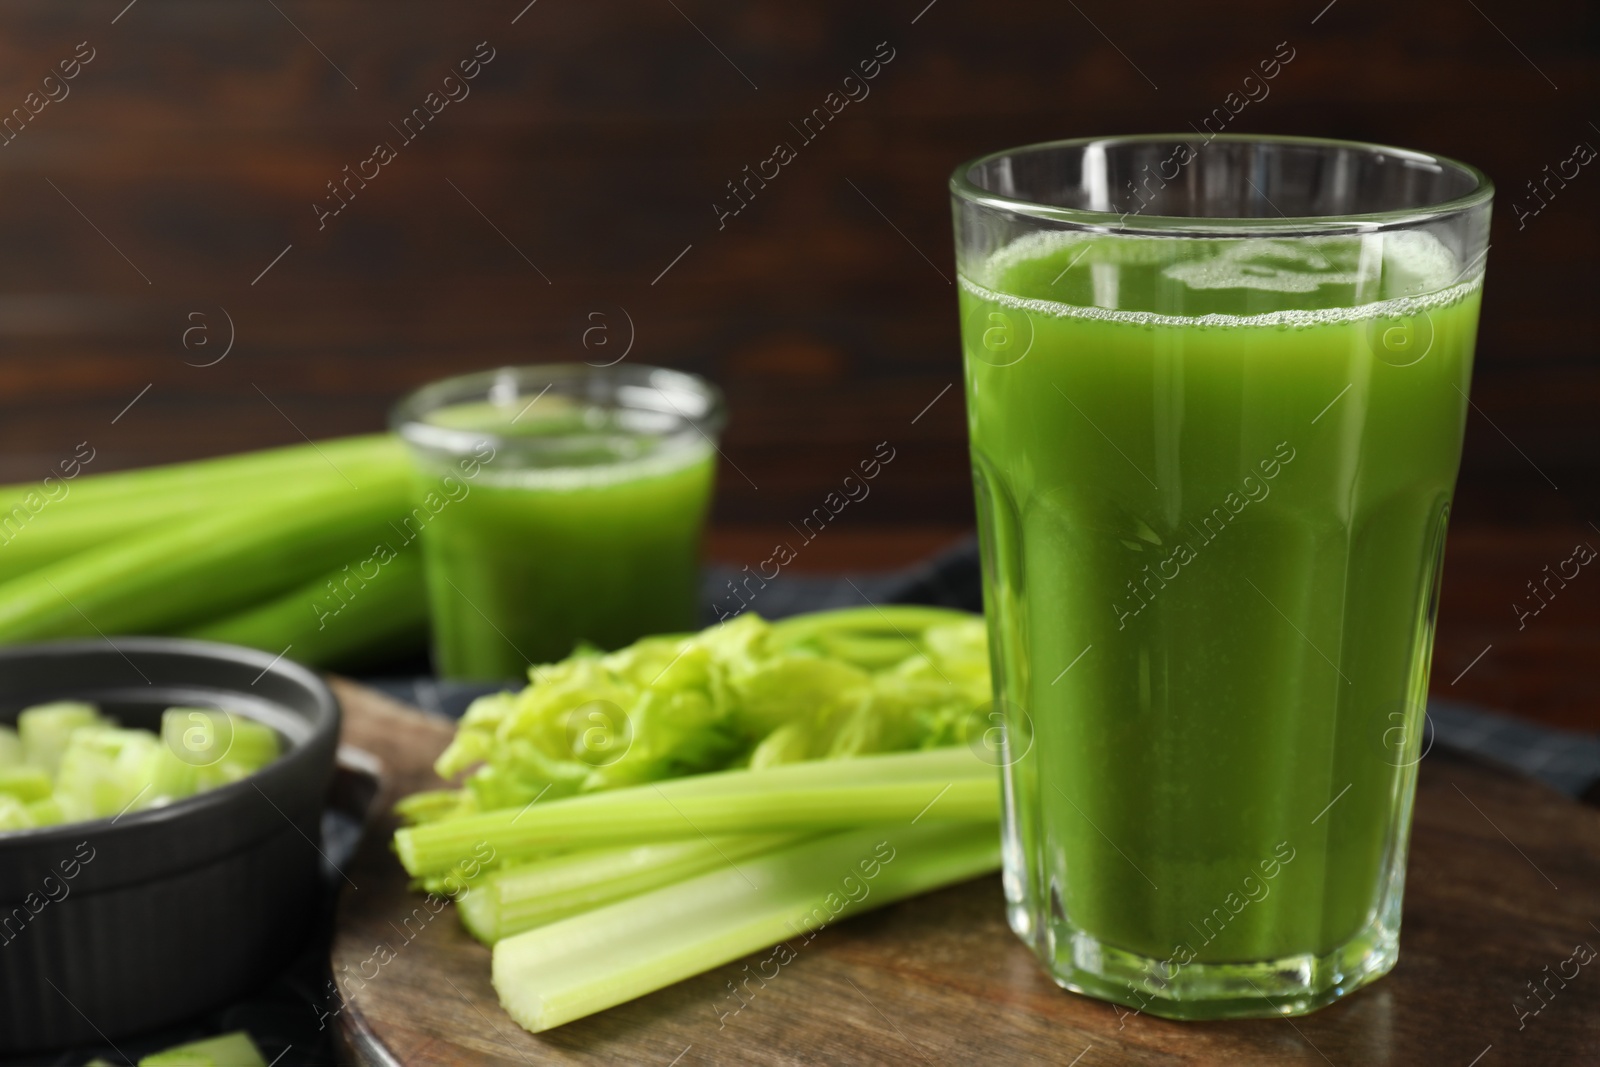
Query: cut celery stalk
pixel 25 782
pixel 172 777
pixel 254 744
pixel 519 898
pixel 10 747
pixel 45 730
pixel 801 797
pixel 207 737
pixel 106 770
pixel 553 974
pixel 14 814
pixel 945 762
pixel 47 812
pixel 364 608
pixel 203 748
pixel 194 737
pixel 948 761
pixel 228 1050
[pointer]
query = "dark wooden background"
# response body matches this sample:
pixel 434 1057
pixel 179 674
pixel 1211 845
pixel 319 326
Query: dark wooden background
pixel 588 157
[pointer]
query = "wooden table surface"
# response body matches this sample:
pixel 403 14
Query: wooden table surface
pixel 1503 885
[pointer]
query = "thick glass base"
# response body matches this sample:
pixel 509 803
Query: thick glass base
pixel 1293 985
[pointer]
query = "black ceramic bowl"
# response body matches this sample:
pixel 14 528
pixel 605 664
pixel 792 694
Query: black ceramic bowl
pixel 115 926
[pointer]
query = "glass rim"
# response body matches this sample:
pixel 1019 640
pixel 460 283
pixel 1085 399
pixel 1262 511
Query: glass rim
pixel 407 418
pixel 964 188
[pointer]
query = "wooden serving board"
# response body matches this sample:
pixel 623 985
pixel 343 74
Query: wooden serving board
pixel 1504 882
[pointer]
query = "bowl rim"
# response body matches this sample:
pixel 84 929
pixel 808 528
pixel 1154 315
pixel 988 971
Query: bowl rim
pixel 324 726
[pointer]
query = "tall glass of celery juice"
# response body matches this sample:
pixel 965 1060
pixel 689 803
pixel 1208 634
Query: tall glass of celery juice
pixel 1216 392
pixel 558 504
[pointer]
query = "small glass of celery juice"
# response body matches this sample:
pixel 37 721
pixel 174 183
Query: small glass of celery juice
pixel 558 504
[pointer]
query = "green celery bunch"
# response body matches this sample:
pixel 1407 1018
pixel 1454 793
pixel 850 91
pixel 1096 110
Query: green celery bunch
pixel 254 549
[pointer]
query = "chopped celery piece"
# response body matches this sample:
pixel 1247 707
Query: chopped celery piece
pixel 595 960
pixel 47 812
pixel 107 769
pixel 208 737
pixel 25 782
pixel 14 814
pixel 796 798
pixel 199 736
pixel 173 777
pixel 46 728
pixel 225 772
pixel 83 766
pixel 828 685
pixel 229 1050
pixel 519 898
pixel 254 744
pixel 10 747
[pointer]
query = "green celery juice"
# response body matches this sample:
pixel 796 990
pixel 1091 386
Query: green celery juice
pixel 1213 478
pixel 597 540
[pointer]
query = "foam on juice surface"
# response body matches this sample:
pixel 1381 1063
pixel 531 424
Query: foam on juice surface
pixel 670 455
pixel 583 446
pixel 1383 275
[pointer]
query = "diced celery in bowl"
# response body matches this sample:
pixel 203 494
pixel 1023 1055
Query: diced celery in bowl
pixel 67 761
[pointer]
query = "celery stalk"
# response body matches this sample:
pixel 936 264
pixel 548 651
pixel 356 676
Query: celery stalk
pixel 935 763
pixel 336 618
pixel 731 802
pixel 14 814
pixel 519 898
pixel 178 574
pixel 45 730
pixel 230 470
pixel 41 524
pixel 553 974
pixel 229 1050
